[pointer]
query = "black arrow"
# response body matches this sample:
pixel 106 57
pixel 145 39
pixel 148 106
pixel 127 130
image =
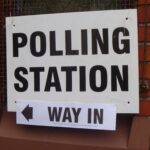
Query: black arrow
pixel 28 112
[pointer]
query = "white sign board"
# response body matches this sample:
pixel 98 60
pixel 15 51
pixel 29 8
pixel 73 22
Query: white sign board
pixel 72 115
pixel 88 57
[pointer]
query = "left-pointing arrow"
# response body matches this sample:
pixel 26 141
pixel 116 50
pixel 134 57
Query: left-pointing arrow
pixel 28 112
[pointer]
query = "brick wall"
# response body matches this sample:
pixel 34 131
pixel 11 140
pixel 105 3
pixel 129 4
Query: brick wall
pixel 144 54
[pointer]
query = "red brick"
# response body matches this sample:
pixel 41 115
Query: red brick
pixel 143 14
pixel 144 70
pixel 141 2
pixel 145 93
pixel 142 30
pixel 141 53
pixel 145 107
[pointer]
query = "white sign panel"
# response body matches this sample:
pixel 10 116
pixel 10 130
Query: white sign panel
pixel 72 115
pixel 88 57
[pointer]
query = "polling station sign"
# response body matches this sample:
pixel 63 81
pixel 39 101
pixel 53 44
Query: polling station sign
pixel 88 57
